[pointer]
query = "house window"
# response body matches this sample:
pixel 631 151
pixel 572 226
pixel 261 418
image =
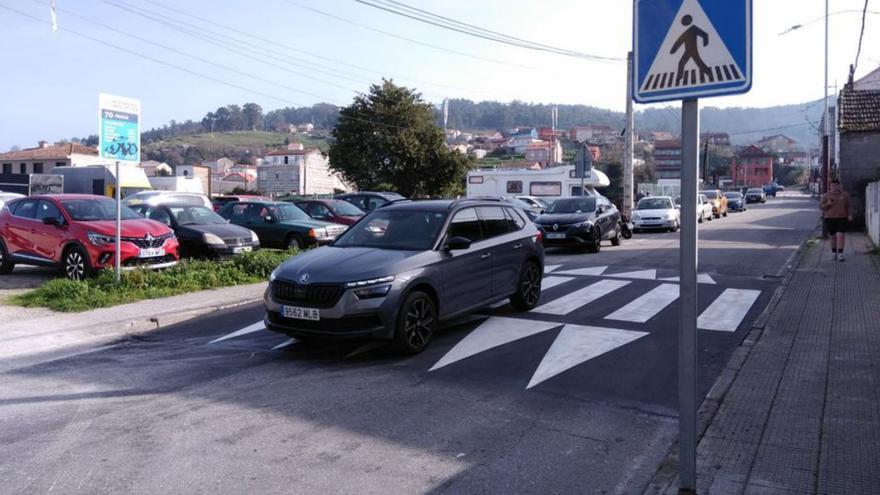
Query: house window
pixel 545 189
pixel 7 168
pixel 60 164
pixel 475 179
pixel 514 187
pixel 22 168
pixel 286 160
pixel 38 168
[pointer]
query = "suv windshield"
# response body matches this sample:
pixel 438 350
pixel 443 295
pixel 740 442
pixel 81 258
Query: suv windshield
pixel 195 215
pixel 346 209
pixel 573 205
pixel 756 191
pixel 389 229
pixel 287 211
pixel 733 195
pixel 654 204
pixel 91 210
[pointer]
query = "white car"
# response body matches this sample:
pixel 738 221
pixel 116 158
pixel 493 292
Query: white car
pixel 656 212
pixel 155 198
pixel 704 207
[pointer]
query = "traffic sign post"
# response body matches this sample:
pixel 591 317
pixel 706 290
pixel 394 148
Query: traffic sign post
pixel 119 138
pixel 583 165
pixel 685 50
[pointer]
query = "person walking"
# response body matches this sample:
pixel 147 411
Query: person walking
pixel 836 213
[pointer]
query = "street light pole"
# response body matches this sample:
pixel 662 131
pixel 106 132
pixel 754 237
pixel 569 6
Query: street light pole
pixel 826 131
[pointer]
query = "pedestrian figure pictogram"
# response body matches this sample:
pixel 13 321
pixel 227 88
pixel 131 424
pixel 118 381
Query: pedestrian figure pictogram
pixel 688 48
pixel 689 39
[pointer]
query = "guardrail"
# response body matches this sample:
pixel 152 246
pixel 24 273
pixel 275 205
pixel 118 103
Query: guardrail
pixel 872 211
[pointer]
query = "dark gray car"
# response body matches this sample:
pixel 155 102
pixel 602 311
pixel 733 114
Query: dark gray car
pixel 405 267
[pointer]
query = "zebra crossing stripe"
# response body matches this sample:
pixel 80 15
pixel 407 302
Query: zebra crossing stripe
pixel 494 332
pixel 728 310
pixel 594 271
pixel 550 268
pixel 640 274
pixel 255 327
pixel 576 344
pixel 574 300
pixel 286 343
pixel 702 278
pixel 648 305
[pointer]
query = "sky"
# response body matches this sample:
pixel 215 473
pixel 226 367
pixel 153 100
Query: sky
pixel 284 53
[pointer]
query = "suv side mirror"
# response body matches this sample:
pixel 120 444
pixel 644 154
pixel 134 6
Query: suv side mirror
pixel 52 221
pixel 458 243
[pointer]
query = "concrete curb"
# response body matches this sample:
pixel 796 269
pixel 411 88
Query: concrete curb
pixel 665 479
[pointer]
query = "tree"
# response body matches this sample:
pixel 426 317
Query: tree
pixel 253 116
pixel 388 137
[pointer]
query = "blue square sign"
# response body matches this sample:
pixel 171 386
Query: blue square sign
pixel 684 49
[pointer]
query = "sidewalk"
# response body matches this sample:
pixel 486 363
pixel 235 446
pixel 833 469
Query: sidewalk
pixel 802 413
pixel 48 335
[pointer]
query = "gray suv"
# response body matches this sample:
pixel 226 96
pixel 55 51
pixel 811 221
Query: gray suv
pixel 405 267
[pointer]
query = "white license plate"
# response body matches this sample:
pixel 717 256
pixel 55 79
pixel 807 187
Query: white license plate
pixel 242 249
pixel 555 236
pixel 300 313
pixel 151 252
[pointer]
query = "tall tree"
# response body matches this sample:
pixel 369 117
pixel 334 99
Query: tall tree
pixel 388 138
pixel 253 116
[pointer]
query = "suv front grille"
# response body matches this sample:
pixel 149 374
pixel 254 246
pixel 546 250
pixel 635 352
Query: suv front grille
pixel 143 242
pixel 317 295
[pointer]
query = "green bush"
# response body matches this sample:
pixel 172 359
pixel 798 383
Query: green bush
pixel 188 276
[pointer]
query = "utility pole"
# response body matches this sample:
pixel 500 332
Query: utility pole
pixel 826 131
pixel 628 142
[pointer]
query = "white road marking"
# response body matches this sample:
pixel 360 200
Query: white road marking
pixel 256 327
pixel 648 305
pixel 591 271
pixel 574 300
pixel 496 331
pixel 702 278
pixel 728 310
pixel 550 268
pixel 286 343
pixel 577 344
pixel 641 275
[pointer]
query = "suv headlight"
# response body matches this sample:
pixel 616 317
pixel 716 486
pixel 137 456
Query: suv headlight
pixel 373 292
pixel 636 216
pixel 212 239
pixel 274 274
pixel 101 239
pixel 372 281
pixel 588 224
pixel 254 238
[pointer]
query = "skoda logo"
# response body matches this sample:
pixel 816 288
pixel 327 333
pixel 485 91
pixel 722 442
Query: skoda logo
pixel 555 226
pixel 304 278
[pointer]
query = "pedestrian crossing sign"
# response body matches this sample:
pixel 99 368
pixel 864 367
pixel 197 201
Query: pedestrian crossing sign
pixel 684 49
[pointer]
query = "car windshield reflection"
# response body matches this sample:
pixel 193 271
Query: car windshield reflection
pixel 399 230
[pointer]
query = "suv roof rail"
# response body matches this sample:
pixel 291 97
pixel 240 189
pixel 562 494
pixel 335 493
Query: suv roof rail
pixel 394 201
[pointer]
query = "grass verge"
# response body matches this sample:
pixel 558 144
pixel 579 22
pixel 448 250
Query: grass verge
pixel 188 276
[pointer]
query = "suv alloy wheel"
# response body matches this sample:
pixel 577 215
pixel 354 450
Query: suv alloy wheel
pixel 416 323
pixel 528 290
pixel 76 264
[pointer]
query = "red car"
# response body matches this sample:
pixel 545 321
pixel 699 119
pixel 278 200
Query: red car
pixel 76 232
pixel 331 210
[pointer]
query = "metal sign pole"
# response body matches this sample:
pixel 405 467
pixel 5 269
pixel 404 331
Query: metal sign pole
pixel 628 142
pixel 118 248
pixel 687 331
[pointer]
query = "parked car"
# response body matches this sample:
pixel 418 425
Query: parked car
pixel 153 198
pixel 331 210
pixel 368 200
pixel 201 232
pixel 580 221
pixel 538 204
pixel 281 225
pixel 735 201
pixel 221 201
pixel 406 267
pixel 656 212
pixel 704 208
pixel 772 188
pixel 718 202
pixel 756 195
pixel 77 233
pixel 6 197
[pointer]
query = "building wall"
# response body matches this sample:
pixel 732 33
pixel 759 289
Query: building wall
pixel 278 179
pixel 859 165
pixel 319 179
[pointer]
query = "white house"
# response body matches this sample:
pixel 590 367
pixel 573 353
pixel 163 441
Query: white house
pixel 544 152
pixel 297 171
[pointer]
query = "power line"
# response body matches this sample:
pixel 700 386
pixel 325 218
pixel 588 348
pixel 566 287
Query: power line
pixel 861 35
pixel 404 38
pixel 292 48
pixel 462 28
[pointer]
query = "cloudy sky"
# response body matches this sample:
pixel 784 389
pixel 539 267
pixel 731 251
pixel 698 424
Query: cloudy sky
pixel 185 58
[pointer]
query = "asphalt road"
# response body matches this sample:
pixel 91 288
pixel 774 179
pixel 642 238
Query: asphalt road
pixel 573 397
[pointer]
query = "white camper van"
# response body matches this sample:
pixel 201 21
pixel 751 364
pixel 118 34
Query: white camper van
pixel 551 183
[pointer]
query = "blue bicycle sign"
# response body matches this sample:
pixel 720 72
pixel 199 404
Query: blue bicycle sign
pixel 119 129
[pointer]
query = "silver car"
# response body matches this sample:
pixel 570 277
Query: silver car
pixel 405 267
pixel 656 212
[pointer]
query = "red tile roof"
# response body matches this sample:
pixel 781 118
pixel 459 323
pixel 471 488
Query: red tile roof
pixel 859 110
pixel 53 152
